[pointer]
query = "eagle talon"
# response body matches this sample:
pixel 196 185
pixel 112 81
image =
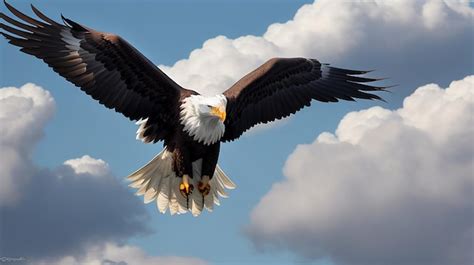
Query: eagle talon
pixel 185 187
pixel 203 186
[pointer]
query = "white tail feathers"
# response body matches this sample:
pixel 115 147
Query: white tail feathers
pixel 157 181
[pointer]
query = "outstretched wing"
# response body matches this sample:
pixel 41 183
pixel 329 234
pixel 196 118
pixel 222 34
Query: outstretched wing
pixel 282 86
pixel 103 65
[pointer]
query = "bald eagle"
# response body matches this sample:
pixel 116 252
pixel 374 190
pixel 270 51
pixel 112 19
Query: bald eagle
pixel 191 126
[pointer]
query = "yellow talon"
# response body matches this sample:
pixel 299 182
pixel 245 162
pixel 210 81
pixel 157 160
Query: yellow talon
pixel 185 188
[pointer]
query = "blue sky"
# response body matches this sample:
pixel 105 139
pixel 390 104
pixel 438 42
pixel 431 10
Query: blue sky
pixel 168 31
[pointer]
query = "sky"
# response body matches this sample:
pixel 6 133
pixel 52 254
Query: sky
pixel 364 182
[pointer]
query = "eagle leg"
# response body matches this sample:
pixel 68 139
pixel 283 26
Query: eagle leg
pixel 186 188
pixel 203 186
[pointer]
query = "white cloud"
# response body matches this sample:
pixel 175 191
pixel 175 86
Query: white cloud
pixel 382 34
pixel 113 254
pixel 80 211
pixel 389 187
pixel 23 113
pixel 88 165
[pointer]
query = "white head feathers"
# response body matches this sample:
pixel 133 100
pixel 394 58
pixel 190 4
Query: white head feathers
pixel 199 119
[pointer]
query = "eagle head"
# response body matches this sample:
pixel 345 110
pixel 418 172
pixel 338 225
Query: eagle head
pixel 212 109
pixel 203 117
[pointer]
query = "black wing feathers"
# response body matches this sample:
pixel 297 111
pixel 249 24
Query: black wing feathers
pixel 282 86
pixel 113 72
pixel 103 65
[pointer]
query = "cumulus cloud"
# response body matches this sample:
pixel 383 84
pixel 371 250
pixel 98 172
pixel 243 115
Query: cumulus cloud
pixel 434 37
pixel 389 187
pixel 23 113
pixel 47 213
pixel 62 212
pixel 88 165
pixel 113 254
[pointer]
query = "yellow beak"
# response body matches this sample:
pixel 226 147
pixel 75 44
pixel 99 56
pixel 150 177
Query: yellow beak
pixel 218 113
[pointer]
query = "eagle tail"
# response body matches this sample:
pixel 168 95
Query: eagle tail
pixel 157 181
